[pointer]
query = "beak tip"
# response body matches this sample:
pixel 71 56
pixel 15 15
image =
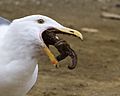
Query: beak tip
pixel 55 62
pixel 81 37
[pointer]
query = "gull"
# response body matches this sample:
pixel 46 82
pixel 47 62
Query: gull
pixel 21 51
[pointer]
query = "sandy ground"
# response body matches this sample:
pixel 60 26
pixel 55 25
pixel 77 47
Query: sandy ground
pixel 98 70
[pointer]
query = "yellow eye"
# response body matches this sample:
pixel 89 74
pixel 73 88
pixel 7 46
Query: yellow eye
pixel 41 21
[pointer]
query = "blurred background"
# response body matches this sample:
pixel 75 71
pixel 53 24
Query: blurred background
pixel 98 69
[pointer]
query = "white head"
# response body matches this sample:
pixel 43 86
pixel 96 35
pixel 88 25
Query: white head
pixel 32 27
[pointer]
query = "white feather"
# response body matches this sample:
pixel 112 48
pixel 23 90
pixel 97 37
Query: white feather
pixel 18 65
pixel 20 48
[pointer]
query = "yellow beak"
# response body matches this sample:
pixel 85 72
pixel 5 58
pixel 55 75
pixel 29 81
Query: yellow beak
pixel 67 31
pixel 71 32
pixel 50 55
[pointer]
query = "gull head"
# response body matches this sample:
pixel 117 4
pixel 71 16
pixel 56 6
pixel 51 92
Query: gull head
pixel 32 27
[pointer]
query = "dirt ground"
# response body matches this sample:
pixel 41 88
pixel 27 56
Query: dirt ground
pixel 98 69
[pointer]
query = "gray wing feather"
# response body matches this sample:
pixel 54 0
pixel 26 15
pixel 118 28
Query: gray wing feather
pixel 4 21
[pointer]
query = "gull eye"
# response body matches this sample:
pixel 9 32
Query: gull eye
pixel 41 21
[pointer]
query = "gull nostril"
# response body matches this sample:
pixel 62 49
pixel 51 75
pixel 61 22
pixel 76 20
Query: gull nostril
pixel 72 31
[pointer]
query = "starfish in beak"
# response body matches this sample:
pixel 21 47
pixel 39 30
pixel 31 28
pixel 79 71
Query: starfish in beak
pixel 50 38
